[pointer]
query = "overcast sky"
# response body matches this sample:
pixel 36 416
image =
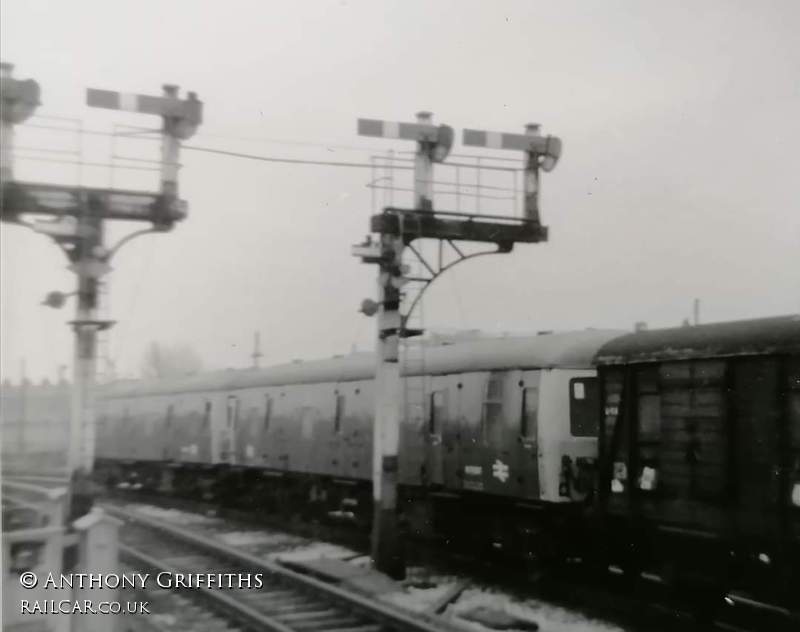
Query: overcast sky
pixel 679 179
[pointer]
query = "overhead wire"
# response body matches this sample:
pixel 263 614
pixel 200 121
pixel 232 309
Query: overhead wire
pixel 324 163
pixel 284 141
pixel 389 163
pixel 137 132
pixel 299 161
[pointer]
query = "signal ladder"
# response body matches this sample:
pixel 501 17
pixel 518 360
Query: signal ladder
pixel 105 366
pixel 412 346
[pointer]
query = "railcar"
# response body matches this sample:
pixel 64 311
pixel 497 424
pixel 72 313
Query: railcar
pixel 699 443
pixel 497 434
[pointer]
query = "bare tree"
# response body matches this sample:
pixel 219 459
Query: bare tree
pixel 161 360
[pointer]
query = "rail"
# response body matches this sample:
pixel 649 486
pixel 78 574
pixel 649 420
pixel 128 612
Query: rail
pixel 326 604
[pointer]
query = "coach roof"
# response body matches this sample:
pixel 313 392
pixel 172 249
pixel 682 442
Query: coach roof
pixel 779 334
pixel 562 350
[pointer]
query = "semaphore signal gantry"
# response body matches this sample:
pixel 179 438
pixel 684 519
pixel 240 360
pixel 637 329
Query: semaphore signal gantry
pixel 76 216
pixel 397 229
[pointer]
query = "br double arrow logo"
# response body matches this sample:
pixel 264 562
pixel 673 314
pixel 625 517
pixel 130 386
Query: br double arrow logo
pixel 500 470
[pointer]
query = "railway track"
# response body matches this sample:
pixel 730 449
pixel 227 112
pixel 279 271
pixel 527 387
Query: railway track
pixel 646 608
pixel 286 601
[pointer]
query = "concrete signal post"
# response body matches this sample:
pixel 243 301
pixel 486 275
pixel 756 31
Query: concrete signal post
pixel 433 144
pixel 397 228
pixel 75 221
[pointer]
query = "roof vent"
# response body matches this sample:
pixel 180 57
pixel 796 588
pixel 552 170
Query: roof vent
pixel 640 325
pixel 544 332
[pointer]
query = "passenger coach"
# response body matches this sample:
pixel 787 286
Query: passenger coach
pixel 504 426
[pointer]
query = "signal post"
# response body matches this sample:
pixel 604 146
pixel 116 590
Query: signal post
pixel 541 152
pixel 397 228
pixel 75 221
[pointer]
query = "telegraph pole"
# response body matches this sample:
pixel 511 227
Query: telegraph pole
pixel 256 355
pixel 77 220
pixel 397 228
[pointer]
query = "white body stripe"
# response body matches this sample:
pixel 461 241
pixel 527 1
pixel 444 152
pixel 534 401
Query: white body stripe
pixel 494 140
pixel 391 129
pixel 128 102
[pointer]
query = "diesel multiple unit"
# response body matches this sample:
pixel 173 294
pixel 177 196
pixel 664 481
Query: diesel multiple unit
pixel 672 454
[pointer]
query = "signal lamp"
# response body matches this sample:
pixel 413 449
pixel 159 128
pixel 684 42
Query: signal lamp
pixel 55 299
pixel 369 307
pixel 444 143
pixel 552 153
pixel 20 97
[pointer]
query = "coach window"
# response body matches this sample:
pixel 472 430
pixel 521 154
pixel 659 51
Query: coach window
pixel 339 413
pixel 530 409
pixel 267 411
pixel 649 407
pixel 437 411
pixel 492 417
pixel 207 413
pixel 583 407
pixel 233 410
pixel 649 430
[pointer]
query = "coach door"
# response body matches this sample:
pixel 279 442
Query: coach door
pixel 227 449
pixel 757 445
pixel 528 438
pixel 792 459
pixel 436 420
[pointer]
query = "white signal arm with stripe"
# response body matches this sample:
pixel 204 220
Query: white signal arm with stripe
pixel 181 118
pixel 549 147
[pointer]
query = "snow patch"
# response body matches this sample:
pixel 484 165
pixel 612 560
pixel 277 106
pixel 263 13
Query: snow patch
pixel 313 551
pixel 549 617
pixel 255 538
pixel 362 561
pixel 418 599
pixel 424 590
pixel 174 516
pixel 165 619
